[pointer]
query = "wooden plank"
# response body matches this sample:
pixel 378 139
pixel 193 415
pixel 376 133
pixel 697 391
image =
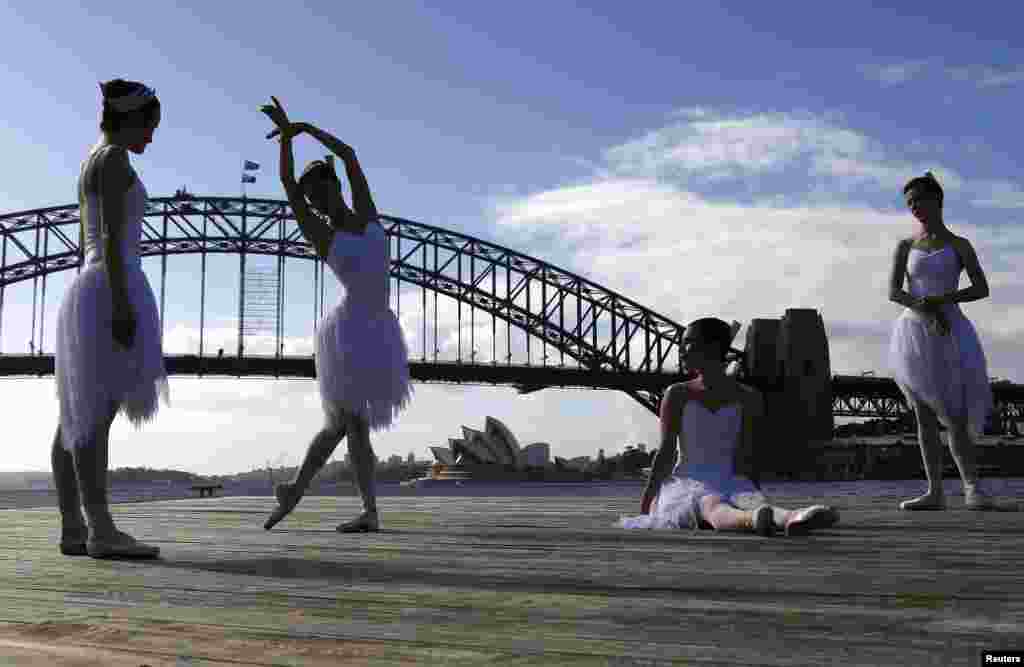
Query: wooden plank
pixel 513 580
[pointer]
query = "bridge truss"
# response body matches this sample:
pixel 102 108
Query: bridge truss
pixel 574 332
pixel 573 323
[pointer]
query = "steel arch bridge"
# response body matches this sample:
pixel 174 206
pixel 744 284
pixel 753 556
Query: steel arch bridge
pixel 600 339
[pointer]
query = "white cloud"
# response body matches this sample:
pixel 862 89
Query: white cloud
pixel 184 339
pixel 813 153
pixel 636 229
pixel 984 76
pixel 895 73
pixel 998 194
pixel 718 147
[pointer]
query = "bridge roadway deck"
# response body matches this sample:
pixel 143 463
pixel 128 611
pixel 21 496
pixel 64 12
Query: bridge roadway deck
pixel 512 581
pixel 441 371
pixel 532 376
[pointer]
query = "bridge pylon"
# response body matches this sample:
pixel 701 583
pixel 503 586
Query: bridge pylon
pixel 788 359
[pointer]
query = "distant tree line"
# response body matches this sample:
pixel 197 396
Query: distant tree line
pixel 629 462
pixel 139 475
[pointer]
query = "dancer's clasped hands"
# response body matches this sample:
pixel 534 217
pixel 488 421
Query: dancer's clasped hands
pixel 931 302
pixel 938 322
pixel 277 114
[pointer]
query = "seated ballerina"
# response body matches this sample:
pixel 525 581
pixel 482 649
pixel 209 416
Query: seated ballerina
pixel 716 482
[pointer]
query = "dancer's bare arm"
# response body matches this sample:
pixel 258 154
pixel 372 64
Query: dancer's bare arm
pixel 316 232
pixel 979 283
pixel 926 306
pixel 899 269
pixel 362 201
pixel 671 410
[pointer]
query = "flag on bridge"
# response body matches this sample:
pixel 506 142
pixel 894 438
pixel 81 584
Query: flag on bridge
pixel 251 166
pixel 248 179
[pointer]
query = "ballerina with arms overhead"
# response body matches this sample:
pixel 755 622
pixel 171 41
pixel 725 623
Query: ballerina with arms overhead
pixel 362 362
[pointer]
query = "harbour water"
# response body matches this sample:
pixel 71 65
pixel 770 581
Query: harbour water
pixel 1010 488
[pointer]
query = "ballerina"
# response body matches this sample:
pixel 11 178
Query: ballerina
pixel 712 417
pixel 109 355
pixel 361 357
pixel 935 354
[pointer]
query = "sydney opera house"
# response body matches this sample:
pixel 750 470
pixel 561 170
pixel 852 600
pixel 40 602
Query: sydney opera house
pixel 494 453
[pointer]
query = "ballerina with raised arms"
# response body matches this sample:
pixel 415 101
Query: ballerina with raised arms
pixel 362 362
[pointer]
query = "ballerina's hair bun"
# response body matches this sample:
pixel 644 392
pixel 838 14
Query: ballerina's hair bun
pixel 317 169
pixel 928 182
pixel 122 99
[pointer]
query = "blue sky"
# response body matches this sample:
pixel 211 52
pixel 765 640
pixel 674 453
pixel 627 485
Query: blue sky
pixel 751 156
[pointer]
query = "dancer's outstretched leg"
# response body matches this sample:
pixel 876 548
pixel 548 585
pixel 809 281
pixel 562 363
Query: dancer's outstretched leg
pixel 766 519
pixel 804 520
pixel 931 453
pixel 722 516
pixel 780 517
pixel 73 530
pixel 361 453
pixel 105 540
pixel 290 493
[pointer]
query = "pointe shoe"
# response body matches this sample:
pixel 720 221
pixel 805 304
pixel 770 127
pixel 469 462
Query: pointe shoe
pixel 365 523
pixel 286 502
pixel 72 541
pixel 763 524
pixel 810 518
pixel 926 502
pixel 73 548
pixel 120 545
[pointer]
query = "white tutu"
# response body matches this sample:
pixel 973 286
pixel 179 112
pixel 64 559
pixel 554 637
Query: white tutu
pixel 93 371
pixel 678 501
pixel 362 362
pixel 362 366
pixel 948 373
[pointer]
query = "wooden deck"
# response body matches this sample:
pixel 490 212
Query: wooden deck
pixel 511 581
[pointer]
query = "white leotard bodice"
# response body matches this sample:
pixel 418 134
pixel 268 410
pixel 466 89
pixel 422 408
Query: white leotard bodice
pixel 96 232
pixel 933 273
pixel 709 439
pixel 360 263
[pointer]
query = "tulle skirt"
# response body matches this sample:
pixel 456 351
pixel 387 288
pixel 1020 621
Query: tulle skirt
pixel 678 501
pixel 947 373
pixel 92 371
pixel 362 366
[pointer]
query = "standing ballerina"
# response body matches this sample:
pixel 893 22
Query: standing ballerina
pixel 109 355
pixel 935 355
pixel 362 363
pixel 710 422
